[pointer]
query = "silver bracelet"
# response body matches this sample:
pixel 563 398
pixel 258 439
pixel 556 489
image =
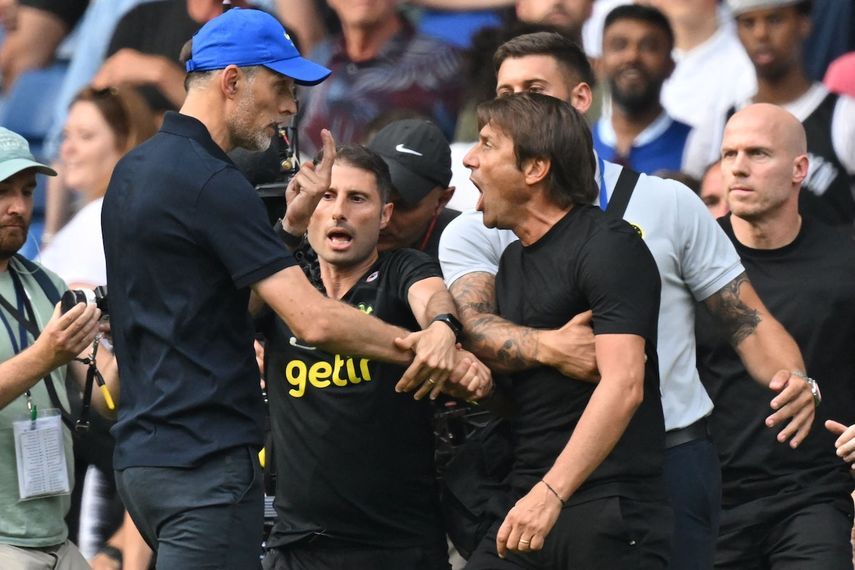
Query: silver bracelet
pixel 812 384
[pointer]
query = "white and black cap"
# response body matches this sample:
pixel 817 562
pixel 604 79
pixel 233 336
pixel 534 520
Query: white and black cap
pixel 739 7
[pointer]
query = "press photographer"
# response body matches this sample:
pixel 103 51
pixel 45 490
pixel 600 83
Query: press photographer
pixel 37 345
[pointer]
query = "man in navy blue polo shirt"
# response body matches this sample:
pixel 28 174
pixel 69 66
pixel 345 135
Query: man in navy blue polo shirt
pixel 186 239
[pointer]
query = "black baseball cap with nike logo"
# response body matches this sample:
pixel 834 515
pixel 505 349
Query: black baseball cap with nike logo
pixel 418 156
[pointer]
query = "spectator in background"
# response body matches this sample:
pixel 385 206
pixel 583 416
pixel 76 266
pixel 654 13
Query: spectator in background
pixel 133 43
pixel 713 192
pixel 567 15
pixel 635 130
pixel 419 160
pixel 305 20
pixel 457 21
pixel 379 63
pixel 95 30
pixel 706 50
pixel 832 35
pixel 35 30
pixel 102 125
pixel 145 46
pixel 782 507
pixel 773 33
pixel 840 77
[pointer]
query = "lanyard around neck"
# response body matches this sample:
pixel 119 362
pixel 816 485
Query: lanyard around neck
pixel 25 322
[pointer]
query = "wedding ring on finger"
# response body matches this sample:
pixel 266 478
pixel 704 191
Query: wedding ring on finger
pixel 431 381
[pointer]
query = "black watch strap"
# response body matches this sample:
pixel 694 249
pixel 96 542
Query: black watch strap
pixel 453 323
pixel 288 239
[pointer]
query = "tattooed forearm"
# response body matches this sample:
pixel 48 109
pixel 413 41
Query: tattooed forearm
pixel 504 346
pixel 737 320
pixel 475 293
pixel 512 353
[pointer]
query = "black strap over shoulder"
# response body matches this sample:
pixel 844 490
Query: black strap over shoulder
pixel 52 293
pixel 41 277
pixel 623 192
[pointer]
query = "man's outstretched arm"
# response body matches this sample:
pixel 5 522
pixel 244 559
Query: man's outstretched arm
pixel 471 379
pixel 769 353
pixel 506 347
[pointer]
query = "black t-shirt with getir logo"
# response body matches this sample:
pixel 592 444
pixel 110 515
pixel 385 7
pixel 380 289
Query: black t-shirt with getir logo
pixel 585 261
pixel 354 458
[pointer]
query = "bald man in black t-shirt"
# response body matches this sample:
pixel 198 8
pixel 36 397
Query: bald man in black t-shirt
pixel 781 507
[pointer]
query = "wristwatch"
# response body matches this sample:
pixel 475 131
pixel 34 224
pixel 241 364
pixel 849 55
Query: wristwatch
pixel 453 324
pixel 288 239
pixel 813 385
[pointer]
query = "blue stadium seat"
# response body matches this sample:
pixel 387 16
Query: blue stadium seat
pixel 28 108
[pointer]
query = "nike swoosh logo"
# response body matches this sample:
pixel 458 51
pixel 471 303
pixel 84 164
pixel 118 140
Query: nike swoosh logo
pixel 402 148
pixel 293 342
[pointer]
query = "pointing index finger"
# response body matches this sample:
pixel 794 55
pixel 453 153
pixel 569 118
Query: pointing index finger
pixel 325 167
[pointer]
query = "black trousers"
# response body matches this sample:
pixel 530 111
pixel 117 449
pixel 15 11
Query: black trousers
pixel 693 482
pixel 613 533
pixel 325 554
pixel 816 537
pixel 205 518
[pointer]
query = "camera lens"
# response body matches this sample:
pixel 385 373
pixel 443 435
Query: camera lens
pixel 74 296
pixel 101 299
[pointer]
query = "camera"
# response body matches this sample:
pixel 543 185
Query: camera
pixel 269 171
pixel 97 297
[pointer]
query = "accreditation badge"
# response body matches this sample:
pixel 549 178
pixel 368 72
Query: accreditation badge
pixel 40 455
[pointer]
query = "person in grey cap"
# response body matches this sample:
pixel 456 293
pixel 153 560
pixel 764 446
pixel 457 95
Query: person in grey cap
pixel 187 241
pixel 37 344
pixel 419 160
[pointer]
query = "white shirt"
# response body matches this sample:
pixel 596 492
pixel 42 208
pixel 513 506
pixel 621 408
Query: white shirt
pixel 842 128
pixel 77 251
pixel 709 78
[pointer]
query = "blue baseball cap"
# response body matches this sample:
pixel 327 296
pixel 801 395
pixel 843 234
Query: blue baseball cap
pixel 251 37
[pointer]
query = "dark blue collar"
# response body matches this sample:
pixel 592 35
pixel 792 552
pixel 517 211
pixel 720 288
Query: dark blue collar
pixel 192 128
